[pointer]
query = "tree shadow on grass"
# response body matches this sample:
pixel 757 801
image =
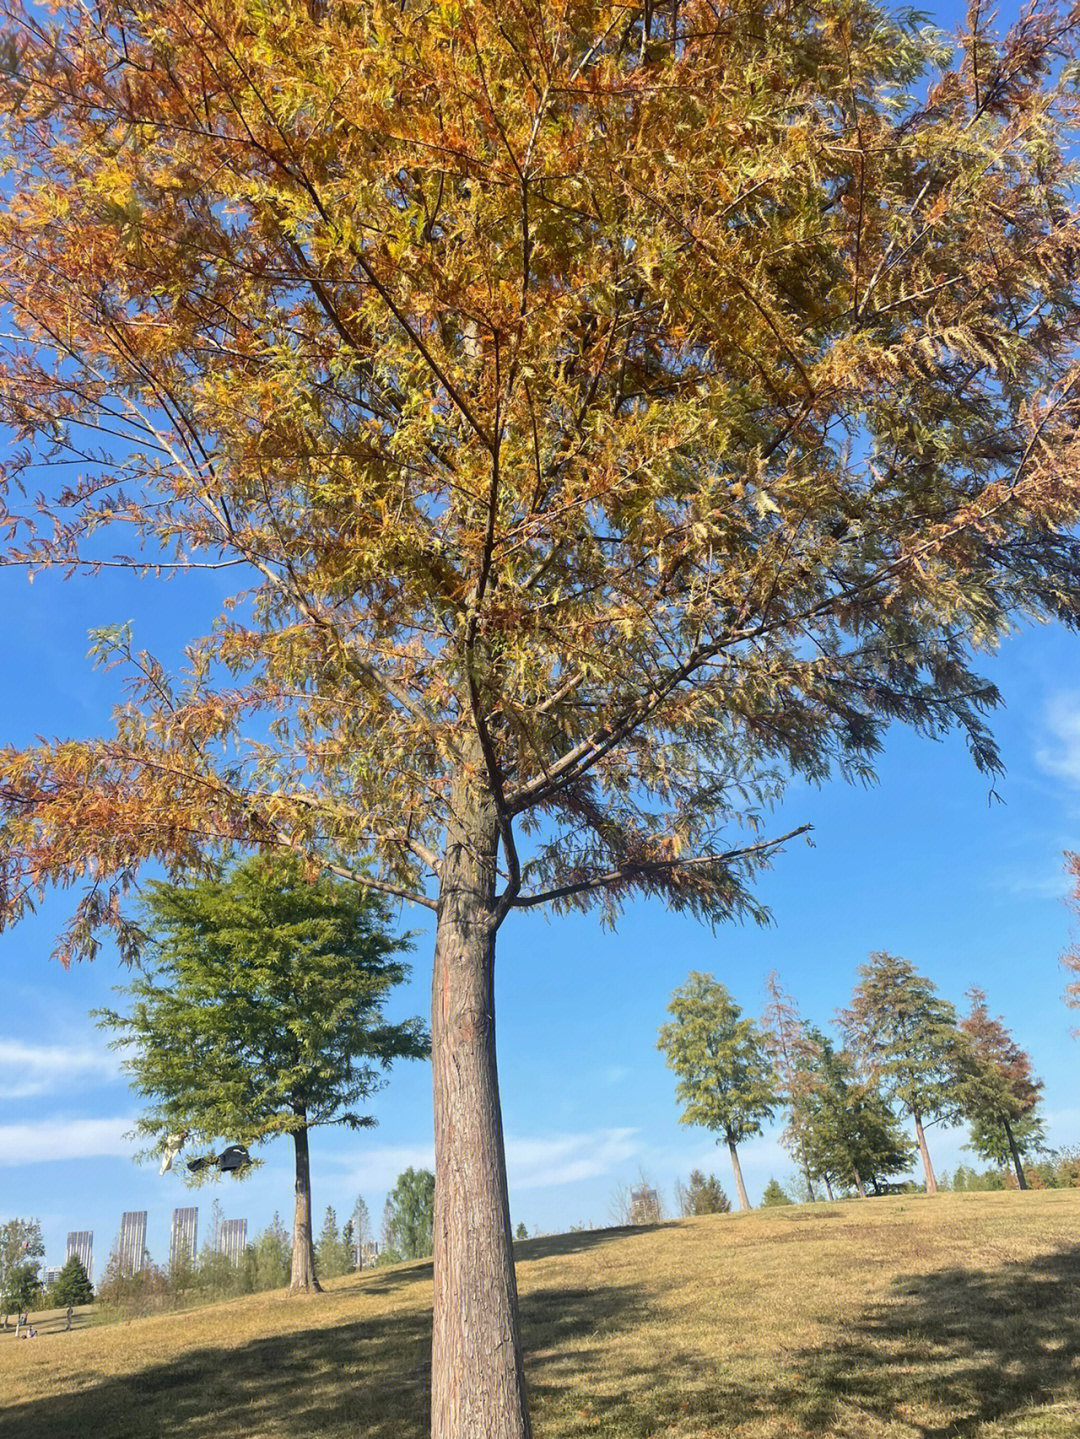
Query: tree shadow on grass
pixel 943 1355
pixel 364 1377
pixel 957 1349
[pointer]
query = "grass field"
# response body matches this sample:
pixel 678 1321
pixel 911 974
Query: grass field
pixel 908 1318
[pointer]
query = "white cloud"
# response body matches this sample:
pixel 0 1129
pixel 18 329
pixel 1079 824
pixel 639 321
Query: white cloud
pixel 27 1069
pixel 567 1158
pixel 1061 755
pixel 63 1139
pixel 536 1163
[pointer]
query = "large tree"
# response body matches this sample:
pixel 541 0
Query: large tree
pixel 258 1011
pixel 726 1080
pixel 904 1037
pixel 998 1093
pixel 592 401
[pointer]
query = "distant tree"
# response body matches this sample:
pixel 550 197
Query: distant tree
pixel 852 1137
pixel 998 1094
pixel 702 1195
pixel 332 1253
pixel 904 1038
pixel 521 1232
pixel 259 1012
pixel 273 1256
pixel 726 1081
pixel 21 1247
pixel 72 1285
pixel 360 1220
pixel 774 1195
pixel 788 1047
pixel 410 1214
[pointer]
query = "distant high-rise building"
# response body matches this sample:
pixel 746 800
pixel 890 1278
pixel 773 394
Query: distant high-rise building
pixel 52 1274
pixel 232 1240
pixel 131 1246
pixel 81 1242
pixel 184 1238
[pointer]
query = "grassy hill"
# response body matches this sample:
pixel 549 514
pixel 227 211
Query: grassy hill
pixel 909 1318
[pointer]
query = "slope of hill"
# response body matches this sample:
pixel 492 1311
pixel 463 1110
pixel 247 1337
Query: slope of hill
pixel 901 1318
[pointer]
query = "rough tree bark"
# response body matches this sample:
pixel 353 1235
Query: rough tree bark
pixel 478 1379
pixel 928 1168
pixel 1021 1178
pixel 303 1254
pixel 859 1186
pixel 740 1187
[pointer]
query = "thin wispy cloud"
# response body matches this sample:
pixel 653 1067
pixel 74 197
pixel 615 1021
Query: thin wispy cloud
pixel 64 1139
pixel 29 1069
pixel 534 1163
pixel 1059 755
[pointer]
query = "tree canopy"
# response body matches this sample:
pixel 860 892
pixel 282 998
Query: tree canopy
pixel 904 1037
pixel 595 407
pixel 998 1092
pixel 726 1080
pixel 409 1214
pixel 72 1285
pixel 851 1135
pixel 258 1011
pixel 21 1250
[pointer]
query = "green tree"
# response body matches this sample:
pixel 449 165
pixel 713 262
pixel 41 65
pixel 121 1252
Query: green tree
pixel 521 1232
pixel 258 1011
pixel 852 1137
pixel 703 1194
pixel 726 1081
pixel 273 1256
pixel 72 1285
pixel 21 1249
pixel 773 1195
pixel 597 406
pixel 332 1253
pixel 904 1038
pixel 998 1094
pixel 409 1215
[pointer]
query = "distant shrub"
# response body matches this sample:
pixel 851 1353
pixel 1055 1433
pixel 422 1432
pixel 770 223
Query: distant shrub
pixel 774 1195
pixel 704 1194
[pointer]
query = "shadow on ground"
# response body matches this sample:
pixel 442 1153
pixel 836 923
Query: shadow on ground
pixel 940 1356
pixel 367 1377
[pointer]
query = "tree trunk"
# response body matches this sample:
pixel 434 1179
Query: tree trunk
pixel 828 1187
pixel 931 1182
pixel 740 1187
pixel 859 1186
pixel 477 1374
pixel 809 1183
pixel 1021 1178
pixel 303 1253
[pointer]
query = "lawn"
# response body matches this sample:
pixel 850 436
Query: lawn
pixel 907 1318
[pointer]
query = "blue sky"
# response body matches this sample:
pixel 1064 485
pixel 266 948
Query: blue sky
pixel 922 864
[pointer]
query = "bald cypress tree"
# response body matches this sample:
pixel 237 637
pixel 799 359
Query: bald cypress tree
pixel 258 1012
pixel 904 1038
pixel 726 1080
pixel 999 1094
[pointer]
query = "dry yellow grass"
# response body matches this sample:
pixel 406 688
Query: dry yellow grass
pixel 909 1318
